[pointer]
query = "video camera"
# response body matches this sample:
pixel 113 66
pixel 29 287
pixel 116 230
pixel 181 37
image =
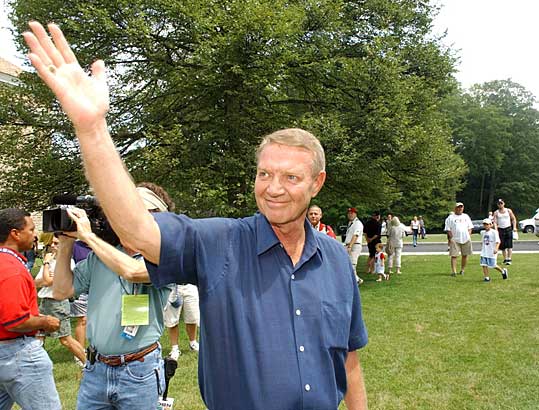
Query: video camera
pixel 57 219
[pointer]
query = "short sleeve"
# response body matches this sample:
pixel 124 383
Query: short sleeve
pixel 82 274
pixel 15 303
pixel 192 250
pixel 358 331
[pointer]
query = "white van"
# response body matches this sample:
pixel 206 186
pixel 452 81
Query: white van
pixel 529 225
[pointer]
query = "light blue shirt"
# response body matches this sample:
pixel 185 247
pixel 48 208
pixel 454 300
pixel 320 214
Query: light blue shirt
pixel 105 289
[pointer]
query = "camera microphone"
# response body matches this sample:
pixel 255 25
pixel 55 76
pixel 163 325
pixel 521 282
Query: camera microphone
pixel 69 199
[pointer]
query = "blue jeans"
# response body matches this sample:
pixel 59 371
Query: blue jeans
pixel 26 376
pixel 133 386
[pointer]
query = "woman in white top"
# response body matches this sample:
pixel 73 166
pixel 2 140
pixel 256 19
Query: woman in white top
pixel 505 221
pixel 395 244
pixel 57 308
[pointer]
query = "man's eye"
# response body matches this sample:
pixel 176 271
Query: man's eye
pixel 292 177
pixel 262 174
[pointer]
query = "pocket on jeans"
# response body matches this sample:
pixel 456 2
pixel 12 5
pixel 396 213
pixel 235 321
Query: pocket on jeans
pixel 140 371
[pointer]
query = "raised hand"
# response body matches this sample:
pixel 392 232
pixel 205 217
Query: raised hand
pixel 83 97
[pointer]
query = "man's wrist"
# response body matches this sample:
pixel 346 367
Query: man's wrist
pixel 87 236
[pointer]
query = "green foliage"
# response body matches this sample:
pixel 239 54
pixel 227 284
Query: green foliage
pixel 195 84
pixel 495 129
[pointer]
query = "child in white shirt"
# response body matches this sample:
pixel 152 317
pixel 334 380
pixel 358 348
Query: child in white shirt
pixel 379 263
pixel 490 242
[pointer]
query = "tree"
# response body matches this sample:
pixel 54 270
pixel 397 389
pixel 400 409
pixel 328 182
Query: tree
pixel 495 129
pixel 196 83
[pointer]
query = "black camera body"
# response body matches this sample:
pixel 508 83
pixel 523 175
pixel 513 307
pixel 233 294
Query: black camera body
pixel 57 219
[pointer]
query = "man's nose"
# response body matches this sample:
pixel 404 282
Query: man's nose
pixel 275 186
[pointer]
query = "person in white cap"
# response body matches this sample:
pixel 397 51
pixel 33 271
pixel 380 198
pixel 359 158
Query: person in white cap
pixel 490 243
pixel 459 229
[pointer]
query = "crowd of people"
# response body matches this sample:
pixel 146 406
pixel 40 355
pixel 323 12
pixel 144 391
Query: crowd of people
pixel 275 294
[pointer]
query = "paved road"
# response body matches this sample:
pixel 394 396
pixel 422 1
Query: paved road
pixel 440 248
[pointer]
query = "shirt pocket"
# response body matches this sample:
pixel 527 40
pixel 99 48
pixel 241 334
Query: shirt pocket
pixel 336 320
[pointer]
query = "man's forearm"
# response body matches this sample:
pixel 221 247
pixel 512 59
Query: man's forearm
pixel 356 394
pixel 62 285
pixel 122 264
pixel 32 323
pixel 116 192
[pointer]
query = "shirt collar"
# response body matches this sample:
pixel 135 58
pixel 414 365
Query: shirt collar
pixel 266 238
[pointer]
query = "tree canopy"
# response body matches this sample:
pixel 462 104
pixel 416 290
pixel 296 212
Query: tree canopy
pixel 195 84
pixel 496 130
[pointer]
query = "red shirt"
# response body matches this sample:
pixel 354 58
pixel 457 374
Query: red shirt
pixel 18 295
pixel 326 229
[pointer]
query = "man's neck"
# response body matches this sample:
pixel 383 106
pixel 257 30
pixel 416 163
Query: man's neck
pixel 11 245
pixel 292 236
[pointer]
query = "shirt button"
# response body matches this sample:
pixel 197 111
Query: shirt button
pixel 298 312
pixel 302 348
pixel 307 387
pixel 293 276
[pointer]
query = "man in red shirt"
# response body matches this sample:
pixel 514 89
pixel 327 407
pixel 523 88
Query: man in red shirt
pixel 26 377
pixel 315 215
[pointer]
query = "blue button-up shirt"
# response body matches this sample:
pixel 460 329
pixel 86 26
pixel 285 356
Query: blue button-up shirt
pixel 274 336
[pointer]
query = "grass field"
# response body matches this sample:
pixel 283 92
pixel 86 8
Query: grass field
pixel 435 342
pixel 442 237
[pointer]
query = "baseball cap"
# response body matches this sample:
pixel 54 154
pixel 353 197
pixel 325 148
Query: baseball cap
pixel 459 204
pixel 352 210
pixel 151 200
pixel 487 221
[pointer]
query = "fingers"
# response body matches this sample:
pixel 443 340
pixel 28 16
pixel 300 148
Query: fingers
pixel 46 48
pixel 62 44
pixel 76 213
pixel 41 62
pixel 98 70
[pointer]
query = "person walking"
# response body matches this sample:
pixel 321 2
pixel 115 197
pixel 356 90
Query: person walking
pixel 415 226
pixel 459 229
pixel 490 243
pixel 395 245
pixel 353 239
pixel 505 222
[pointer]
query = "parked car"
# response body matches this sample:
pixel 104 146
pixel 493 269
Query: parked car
pixel 477 225
pixel 528 225
pixel 537 224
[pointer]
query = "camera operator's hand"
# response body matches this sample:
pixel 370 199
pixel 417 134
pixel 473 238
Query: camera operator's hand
pixel 80 217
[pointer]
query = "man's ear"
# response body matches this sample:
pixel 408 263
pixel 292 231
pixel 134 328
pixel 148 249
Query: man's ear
pixel 14 234
pixel 318 183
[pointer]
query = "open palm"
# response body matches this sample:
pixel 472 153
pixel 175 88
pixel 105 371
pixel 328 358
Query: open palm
pixel 84 98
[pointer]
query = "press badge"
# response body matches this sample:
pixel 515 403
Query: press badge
pixel 135 313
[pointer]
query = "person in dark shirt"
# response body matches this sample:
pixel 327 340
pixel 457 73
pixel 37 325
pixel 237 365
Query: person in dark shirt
pixel 373 236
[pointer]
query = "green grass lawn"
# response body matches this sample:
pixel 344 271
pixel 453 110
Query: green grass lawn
pixel 435 342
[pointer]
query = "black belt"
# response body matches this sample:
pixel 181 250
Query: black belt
pixel 10 339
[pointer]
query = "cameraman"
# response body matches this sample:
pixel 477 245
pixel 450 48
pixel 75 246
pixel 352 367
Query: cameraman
pixel 125 360
pixel 26 369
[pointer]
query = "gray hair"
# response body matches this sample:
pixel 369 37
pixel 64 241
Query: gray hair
pixel 296 137
pixel 395 221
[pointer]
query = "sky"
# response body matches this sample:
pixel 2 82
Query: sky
pixel 494 39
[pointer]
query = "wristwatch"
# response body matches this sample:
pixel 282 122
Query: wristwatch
pixel 46 263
